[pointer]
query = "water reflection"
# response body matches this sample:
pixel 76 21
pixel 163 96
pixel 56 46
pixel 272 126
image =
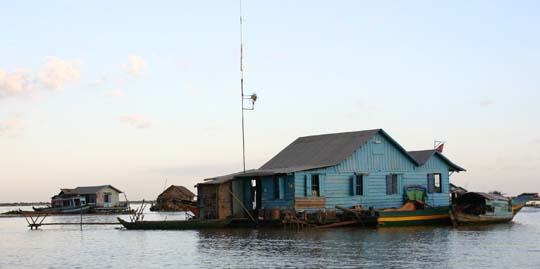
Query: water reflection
pixel 506 245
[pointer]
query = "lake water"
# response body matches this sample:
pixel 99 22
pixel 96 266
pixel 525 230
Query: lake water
pixel 513 245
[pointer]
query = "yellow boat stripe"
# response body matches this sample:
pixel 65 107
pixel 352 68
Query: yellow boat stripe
pixel 408 218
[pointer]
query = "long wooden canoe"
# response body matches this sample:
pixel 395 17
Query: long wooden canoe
pixel 175 224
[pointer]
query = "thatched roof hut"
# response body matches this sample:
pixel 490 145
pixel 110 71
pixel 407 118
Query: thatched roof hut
pixel 174 198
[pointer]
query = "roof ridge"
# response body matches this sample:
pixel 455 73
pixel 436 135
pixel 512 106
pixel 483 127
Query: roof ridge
pixel 423 150
pixel 338 133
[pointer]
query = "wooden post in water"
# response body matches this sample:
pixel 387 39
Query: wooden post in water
pixel 81 216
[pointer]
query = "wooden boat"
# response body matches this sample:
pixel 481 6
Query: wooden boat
pixel 415 211
pixel 409 215
pixel 484 208
pixel 175 224
pixel 63 210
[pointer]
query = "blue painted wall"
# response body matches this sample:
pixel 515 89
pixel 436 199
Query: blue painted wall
pixel 378 158
pixel 286 201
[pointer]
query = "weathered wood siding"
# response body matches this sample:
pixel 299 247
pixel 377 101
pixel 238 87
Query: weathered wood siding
pixel 238 190
pixel 224 200
pixel 207 201
pixel 378 158
pixel 308 203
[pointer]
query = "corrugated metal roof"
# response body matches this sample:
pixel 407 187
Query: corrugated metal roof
pixel 224 178
pixel 422 156
pixel 325 150
pixel 92 189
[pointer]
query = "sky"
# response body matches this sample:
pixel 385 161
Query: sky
pixel 144 94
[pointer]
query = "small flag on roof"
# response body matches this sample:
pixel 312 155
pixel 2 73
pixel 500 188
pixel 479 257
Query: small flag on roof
pixel 439 146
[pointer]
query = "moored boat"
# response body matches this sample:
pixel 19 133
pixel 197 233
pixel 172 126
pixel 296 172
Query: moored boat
pixel 414 211
pixel 63 210
pixel 408 215
pixel 194 224
pixel 483 208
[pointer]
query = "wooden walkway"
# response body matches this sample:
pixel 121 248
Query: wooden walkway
pixel 35 221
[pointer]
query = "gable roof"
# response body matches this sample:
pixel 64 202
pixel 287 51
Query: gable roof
pixel 92 189
pixel 180 189
pixel 318 151
pixel 422 156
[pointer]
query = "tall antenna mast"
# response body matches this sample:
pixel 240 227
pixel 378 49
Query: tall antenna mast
pixel 252 97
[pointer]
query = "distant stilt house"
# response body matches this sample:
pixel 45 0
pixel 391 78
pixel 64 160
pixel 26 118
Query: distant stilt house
pixel 174 198
pixel 104 196
pixel 366 168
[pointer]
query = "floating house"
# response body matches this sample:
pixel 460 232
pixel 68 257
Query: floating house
pixel 365 168
pixel 104 196
pixel 174 198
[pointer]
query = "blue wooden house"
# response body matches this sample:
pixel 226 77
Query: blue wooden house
pixel 366 168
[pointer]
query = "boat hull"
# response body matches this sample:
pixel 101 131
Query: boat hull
pixel 175 224
pixel 63 210
pixel 468 219
pixel 429 216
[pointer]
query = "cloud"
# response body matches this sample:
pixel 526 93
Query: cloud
pixel 57 73
pixel 485 102
pixel 114 93
pixel 136 121
pixel 135 65
pixel 15 83
pixel 10 126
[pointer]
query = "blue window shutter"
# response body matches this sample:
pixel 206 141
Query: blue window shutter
pixel 353 185
pixel 322 179
pixel 388 184
pixel 363 188
pixel 431 183
pixel 308 185
pixel 281 188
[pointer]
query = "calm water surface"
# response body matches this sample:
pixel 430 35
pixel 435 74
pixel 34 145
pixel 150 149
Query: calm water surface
pixel 514 245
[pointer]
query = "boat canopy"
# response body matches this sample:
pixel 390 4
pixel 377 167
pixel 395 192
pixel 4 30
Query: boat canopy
pixel 415 193
pixel 487 196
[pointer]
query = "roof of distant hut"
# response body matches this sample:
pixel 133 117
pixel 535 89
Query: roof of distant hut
pixel 92 189
pixel 174 191
pixel 65 191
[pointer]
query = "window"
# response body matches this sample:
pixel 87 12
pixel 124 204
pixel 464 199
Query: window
pixel 276 187
pixel 314 185
pixel 106 197
pixel 358 185
pixel 435 183
pixel 392 184
pixel 315 191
